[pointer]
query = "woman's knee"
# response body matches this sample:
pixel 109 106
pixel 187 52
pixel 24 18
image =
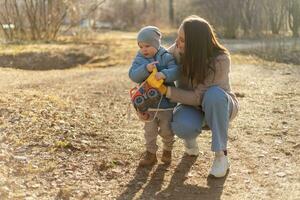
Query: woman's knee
pixel 214 95
pixel 187 122
pixel 183 132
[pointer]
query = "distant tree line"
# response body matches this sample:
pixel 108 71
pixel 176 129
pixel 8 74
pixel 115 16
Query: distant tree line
pixel 232 18
pixel 44 19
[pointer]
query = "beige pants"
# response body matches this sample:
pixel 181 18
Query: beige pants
pixel 161 125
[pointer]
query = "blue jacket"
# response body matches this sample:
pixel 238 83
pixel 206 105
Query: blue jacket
pixel 167 65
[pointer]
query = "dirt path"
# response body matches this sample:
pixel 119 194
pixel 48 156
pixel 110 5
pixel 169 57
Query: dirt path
pixel 66 135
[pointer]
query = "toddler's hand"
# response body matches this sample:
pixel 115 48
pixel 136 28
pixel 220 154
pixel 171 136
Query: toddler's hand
pixel 151 66
pixel 159 76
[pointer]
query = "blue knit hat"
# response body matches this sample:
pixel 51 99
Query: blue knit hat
pixel 150 35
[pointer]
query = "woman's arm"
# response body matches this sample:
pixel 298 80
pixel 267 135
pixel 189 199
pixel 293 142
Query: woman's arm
pixel 194 97
pixel 172 70
pixel 188 97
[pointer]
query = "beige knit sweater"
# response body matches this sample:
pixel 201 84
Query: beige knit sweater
pixel 187 94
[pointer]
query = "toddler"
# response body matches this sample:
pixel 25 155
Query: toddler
pixel 152 55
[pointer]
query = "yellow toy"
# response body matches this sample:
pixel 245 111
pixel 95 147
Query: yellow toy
pixel 151 80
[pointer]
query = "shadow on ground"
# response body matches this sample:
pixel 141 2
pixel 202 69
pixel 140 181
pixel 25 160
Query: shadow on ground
pixel 176 190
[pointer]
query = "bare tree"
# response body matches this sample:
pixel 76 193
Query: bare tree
pixel 5 20
pixel 225 13
pixel 45 17
pixel 36 19
pixel 79 11
pixel 145 5
pixel 171 11
pixel 248 13
pixel 275 11
pixel 294 16
pixel 154 6
pixel 231 18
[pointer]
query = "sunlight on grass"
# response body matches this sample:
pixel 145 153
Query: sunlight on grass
pixel 15 49
pixel 240 59
pixel 107 49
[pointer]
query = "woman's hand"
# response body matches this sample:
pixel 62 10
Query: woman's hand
pixel 159 76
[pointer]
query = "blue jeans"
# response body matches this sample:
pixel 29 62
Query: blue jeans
pixel 215 112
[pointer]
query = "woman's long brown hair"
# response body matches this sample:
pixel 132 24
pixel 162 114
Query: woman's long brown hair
pixel 201 47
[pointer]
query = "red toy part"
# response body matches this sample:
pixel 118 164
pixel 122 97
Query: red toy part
pixel 144 97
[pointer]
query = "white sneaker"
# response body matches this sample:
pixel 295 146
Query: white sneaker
pixel 220 165
pixel 191 147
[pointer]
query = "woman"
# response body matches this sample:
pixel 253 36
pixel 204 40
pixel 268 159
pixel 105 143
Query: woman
pixel 203 90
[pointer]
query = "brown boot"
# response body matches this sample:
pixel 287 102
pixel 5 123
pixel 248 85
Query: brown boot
pixel 166 157
pixel 148 159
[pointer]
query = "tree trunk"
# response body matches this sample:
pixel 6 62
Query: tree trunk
pixel 276 11
pixel 294 16
pixel 154 6
pixel 145 5
pixel 247 15
pixel 171 11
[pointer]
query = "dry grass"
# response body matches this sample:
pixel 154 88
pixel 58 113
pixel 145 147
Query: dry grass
pixel 66 133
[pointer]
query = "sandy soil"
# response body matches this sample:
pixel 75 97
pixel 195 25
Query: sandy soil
pixel 67 134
